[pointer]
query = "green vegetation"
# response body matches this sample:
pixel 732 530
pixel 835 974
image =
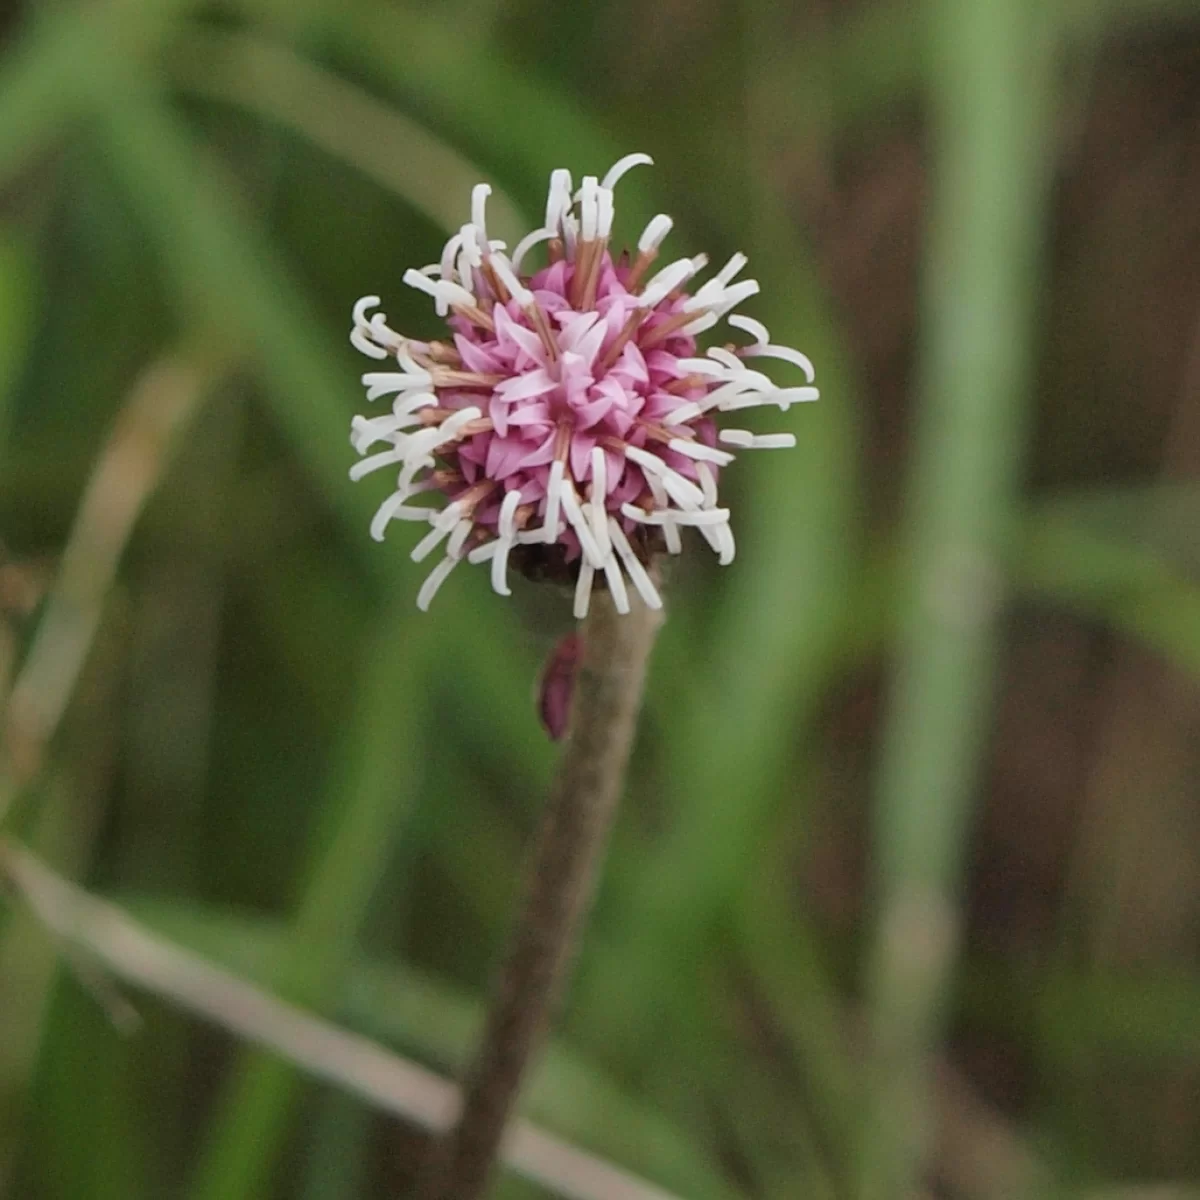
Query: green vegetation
pixel 904 891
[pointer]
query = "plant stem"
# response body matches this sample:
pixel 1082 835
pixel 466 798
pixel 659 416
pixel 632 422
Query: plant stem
pixel 558 888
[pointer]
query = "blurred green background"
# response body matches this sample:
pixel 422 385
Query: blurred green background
pixel 904 897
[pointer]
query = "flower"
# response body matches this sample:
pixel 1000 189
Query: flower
pixel 568 419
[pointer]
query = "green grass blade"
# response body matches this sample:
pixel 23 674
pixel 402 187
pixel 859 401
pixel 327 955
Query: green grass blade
pixel 990 93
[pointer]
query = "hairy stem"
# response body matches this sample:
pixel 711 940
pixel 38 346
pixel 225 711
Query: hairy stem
pixel 558 888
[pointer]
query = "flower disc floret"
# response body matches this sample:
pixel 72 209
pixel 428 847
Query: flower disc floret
pixel 567 417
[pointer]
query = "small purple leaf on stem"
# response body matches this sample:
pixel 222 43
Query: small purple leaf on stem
pixel 557 685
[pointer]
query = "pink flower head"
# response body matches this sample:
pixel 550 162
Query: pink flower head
pixel 568 418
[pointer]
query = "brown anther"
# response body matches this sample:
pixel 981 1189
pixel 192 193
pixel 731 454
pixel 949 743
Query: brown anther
pixel 435 416
pixel 477 537
pixel 444 377
pixel 479 425
pixel 476 316
pixel 503 295
pixel 447 477
pixel 631 326
pixel 471 498
pixel 541 324
pixel 592 279
pixel 523 515
pixel 660 433
pixel 562 441
pixel 633 281
pixel 686 383
pixel 554 250
pixel 671 325
pixel 443 354
pixel 584 252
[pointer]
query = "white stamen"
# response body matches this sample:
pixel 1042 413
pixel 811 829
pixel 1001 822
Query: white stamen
pixel 783 397
pixel 430 542
pixel 683 414
pixel 385 458
pixel 364 434
pixel 698 516
pixel 405 480
pixel 553 498
pixel 596 508
pixel 558 200
pixel 665 282
pixel 508 513
pixel 384 336
pixel 484 552
pixel 570 233
pixel 441 289
pixel 703 321
pixel 654 234
pixel 360 309
pixel 359 341
pixel 756 329
pixel 448 429
pixel 736 371
pixel 458 538
pixel 713 290
pixel 385 383
pixel 519 292
pixel 434 581
pixel 784 353
pixel 527 243
pixel 427 441
pixel 670 529
pixel 583 589
pixel 717 398
pixel 700 452
pixel 622 165
pixel 708 484
pixel 500 567
pixel 726 545
pixel 616 582
pixel 700 366
pixel 394 509
pixel 479 194
pixel 471 252
pixel 588 199
pixel 735 295
pixel 685 493
pixel 574 514
pixel 633 565
pixel 448 518
pixel 727 273
pixel 604 214
pixel 726 358
pixel 763 441
pixel 449 252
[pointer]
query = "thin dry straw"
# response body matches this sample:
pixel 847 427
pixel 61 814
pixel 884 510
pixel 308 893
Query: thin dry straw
pixel 134 954
pixel 162 402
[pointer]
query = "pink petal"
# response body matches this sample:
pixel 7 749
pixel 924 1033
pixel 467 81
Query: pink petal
pixel 581 450
pixel 505 455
